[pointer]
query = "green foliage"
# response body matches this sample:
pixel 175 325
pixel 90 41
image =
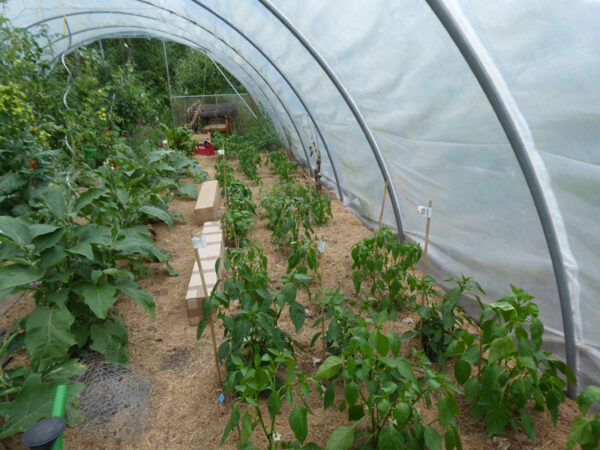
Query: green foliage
pixel 511 375
pixel 254 328
pixel 274 375
pixel 339 319
pixel 238 220
pixel 179 138
pixel 585 430
pixel 387 265
pixel 195 74
pixel 292 211
pixel 384 392
pixel 440 323
pixel 281 166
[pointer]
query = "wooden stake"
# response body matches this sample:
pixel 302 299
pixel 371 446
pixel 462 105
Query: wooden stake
pixel 383 204
pixel 210 320
pixel 426 244
pixel 323 305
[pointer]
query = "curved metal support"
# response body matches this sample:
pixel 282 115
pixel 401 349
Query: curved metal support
pixel 292 87
pixel 349 101
pixel 258 49
pixel 517 133
pixel 169 84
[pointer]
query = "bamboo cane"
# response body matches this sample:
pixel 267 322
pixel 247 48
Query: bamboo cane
pixel 383 205
pixel 210 319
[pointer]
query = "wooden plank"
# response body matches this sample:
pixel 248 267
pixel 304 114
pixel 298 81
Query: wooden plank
pixel 207 205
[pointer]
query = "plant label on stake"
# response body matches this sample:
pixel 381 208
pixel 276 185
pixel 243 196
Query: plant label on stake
pixel 425 211
pixel 166 144
pixel 322 251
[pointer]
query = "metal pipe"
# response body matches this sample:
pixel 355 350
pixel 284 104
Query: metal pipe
pixel 524 149
pixel 258 49
pixel 349 102
pixel 232 87
pixel 169 83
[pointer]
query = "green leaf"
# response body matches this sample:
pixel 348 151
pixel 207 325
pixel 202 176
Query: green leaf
pixel 16 230
pixel 139 295
pixel 48 336
pixel 472 388
pixel 390 439
pixel 246 428
pixel 234 419
pixel 447 409
pixel 33 403
pixel 402 413
pixel 84 249
pixel 110 339
pixel 158 213
pixel 383 344
pixel 395 343
pixel 10 182
pixel 99 298
pixel 462 371
pixel 298 315
pixel 16 275
pixel 581 432
pixel 188 189
pixel 527 423
pixel 589 396
pixel 274 404
pixel 330 367
pixel 433 439
pixel 497 417
pixel 88 197
pixel 342 438
pixel 55 199
pixel 298 423
pixel 329 396
pixel 355 412
pixel 501 348
pixel 351 392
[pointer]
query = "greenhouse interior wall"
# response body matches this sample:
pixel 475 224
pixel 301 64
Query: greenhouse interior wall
pixel 488 109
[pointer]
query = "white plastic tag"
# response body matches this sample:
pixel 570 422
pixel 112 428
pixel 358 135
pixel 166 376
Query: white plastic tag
pixel 321 246
pixel 199 242
pixel 165 142
pixel 221 152
pixel 424 211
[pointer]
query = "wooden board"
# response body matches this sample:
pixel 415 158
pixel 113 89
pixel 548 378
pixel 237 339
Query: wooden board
pixel 207 205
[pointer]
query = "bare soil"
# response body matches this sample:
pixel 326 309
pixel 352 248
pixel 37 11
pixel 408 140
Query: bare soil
pixel 184 411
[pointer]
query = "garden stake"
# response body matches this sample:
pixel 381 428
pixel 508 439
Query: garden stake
pixel 383 204
pixel 426 246
pixel 322 251
pixel 199 243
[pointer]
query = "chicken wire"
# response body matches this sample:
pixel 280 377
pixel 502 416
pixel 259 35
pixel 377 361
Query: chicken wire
pixel 115 400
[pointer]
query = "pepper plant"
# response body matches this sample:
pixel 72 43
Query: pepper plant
pixel 386 264
pixel 508 376
pixel 383 391
pixel 585 430
pixel 274 375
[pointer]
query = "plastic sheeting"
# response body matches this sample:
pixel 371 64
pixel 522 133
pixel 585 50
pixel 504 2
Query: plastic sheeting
pixel 439 137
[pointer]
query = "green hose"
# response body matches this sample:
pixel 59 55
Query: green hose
pixel 58 410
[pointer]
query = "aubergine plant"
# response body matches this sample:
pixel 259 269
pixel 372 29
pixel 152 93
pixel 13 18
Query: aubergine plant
pixel 72 269
pixel 510 368
pixel 386 265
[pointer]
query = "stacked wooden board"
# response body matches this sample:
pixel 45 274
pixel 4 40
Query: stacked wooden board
pixel 207 205
pixel 214 249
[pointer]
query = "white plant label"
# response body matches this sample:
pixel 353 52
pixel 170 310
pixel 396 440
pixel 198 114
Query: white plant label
pixel 424 211
pixel 321 246
pixel 221 152
pixel 199 242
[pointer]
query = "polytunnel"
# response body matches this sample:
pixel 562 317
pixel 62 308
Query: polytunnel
pixel 488 109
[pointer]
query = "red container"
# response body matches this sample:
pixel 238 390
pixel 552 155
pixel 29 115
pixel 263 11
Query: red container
pixel 206 148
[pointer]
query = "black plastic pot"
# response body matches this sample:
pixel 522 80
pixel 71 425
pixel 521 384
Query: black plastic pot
pixel 42 435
